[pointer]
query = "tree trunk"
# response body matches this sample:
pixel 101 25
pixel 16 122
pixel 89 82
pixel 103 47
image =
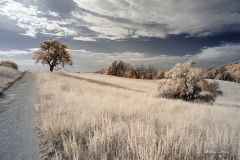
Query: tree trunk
pixel 51 68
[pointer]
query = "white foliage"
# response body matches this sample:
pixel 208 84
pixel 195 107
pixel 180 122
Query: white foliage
pixel 186 82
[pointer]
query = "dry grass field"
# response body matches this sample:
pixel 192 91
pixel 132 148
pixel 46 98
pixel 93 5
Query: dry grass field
pixel 133 84
pixel 83 120
pixel 8 76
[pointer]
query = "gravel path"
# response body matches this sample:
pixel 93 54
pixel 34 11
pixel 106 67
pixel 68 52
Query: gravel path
pixel 18 135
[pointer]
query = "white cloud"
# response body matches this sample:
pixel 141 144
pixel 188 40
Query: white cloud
pixel 117 30
pixel 35 21
pixel 82 38
pixel 103 27
pixel 220 54
pixel 112 33
pixel 12 53
pixel 159 18
pixel 22 57
pixel 54 14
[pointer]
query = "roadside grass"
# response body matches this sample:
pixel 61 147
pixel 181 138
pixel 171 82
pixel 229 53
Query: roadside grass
pixel 8 76
pixel 82 120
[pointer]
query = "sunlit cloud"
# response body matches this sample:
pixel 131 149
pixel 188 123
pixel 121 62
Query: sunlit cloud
pixel 35 21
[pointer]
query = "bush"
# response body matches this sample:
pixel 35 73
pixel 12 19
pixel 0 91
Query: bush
pixel 150 72
pixel 9 64
pixel 186 82
pixel 117 68
pixel 236 79
pixel 220 73
pixel 130 73
pixel 160 74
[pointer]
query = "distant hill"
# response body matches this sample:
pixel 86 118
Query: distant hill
pixel 227 72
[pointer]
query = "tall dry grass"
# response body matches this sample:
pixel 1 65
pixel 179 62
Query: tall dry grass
pixel 8 76
pixel 82 120
pixel 133 84
pixel 9 64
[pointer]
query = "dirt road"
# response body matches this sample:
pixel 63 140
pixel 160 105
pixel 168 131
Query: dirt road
pixel 18 135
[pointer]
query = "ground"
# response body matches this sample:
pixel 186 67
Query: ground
pixel 18 133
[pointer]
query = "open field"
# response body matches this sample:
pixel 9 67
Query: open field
pixel 132 84
pixel 79 119
pixel 230 97
pixel 231 93
pixel 8 76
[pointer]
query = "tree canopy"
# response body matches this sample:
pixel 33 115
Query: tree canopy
pixel 53 53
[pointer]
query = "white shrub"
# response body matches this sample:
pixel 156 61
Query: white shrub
pixel 186 82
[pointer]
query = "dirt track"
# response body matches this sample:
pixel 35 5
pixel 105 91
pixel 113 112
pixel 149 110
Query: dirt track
pixel 18 135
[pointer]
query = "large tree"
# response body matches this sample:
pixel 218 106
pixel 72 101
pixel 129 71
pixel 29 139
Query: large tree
pixel 53 53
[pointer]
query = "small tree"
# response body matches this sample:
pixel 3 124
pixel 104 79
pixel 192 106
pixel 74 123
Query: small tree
pixel 150 72
pixel 53 53
pixel 140 71
pixel 186 82
pixel 223 74
pixel 118 68
pixel 10 64
pixel 220 73
pixel 160 74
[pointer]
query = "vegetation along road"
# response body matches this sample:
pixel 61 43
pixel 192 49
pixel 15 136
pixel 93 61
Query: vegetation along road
pixel 18 135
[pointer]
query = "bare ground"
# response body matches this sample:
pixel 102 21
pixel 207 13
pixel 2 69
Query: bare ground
pixel 18 135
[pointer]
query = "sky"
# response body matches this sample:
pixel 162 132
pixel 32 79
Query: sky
pixel 97 32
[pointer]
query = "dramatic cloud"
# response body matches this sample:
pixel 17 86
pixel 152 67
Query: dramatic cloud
pixel 115 29
pixel 156 32
pixel 123 19
pixel 35 21
pixel 158 18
